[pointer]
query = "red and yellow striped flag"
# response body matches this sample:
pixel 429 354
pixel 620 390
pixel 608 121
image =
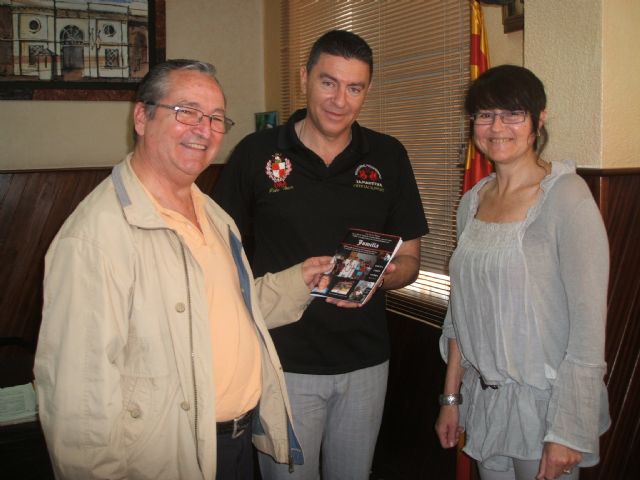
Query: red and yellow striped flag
pixel 476 166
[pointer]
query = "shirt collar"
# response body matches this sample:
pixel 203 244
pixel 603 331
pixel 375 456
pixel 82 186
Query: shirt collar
pixel 288 138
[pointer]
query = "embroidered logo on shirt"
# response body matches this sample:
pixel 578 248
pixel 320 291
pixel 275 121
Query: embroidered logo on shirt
pixel 368 177
pixel 278 169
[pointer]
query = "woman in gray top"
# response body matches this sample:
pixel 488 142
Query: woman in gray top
pixel 524 333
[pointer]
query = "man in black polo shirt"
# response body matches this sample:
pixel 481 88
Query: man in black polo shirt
pixel 293 191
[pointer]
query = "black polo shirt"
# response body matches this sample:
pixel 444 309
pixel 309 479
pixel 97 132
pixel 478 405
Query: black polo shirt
pixel 290 206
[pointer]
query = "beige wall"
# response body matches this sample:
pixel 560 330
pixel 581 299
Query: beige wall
pixel 584 51
pixel 227 33
pixel 563 46
pixel 621 84
pixel 272 55
pixel 503 47
pixel 586 54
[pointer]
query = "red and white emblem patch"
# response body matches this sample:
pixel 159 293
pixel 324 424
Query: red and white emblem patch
pixel 368 177
pixel 278 169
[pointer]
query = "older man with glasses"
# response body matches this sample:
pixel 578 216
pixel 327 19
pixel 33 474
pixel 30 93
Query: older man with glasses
pixel 154 359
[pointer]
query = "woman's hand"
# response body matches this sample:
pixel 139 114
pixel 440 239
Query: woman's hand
pixel 557 460
pixel 447 426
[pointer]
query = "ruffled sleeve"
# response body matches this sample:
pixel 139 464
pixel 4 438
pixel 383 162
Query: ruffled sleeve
pixel 578 408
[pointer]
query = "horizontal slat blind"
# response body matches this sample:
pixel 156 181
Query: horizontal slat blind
pixel 421 71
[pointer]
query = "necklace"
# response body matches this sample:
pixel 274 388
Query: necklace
pixel 301 130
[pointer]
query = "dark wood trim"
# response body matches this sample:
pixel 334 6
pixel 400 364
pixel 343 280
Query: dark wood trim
pixel 79 170
pixel 607 172
pixel 617 192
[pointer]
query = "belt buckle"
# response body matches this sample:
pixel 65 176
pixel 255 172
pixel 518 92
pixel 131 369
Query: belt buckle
pixel 237 430
pixel 485 385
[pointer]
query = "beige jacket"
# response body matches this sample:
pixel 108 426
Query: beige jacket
pixel 124 362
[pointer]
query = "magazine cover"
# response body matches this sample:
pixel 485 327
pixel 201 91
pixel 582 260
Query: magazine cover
pixel 358 265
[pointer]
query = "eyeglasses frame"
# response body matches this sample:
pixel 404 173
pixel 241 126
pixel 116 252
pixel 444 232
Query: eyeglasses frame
pixel 176 108
pixel 501 115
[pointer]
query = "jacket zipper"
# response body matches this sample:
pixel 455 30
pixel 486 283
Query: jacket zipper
pixel 193 354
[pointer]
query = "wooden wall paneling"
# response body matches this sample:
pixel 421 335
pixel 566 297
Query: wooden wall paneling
pixel 408 448
pixel 33 207
pixel 621 210
pixel 617 195
pixel 24 453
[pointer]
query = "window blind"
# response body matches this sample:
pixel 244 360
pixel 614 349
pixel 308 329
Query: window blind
pixel 421 72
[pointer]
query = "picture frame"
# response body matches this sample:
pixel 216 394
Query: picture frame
pixel 513 16
pixel 266 120
pixel 75 50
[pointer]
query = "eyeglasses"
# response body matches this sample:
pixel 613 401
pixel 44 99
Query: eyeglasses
pixel 487 118
pixel 193 116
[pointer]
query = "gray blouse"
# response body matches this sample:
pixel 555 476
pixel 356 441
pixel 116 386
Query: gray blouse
pixel 528 309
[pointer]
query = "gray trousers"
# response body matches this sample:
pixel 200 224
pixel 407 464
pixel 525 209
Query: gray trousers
pixel 338 415
pixel 522 470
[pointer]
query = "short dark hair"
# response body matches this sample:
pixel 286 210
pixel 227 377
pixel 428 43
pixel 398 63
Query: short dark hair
pixel 509 87
pixel 341 43
pixel 155 84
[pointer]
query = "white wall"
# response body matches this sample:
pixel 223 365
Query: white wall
pixel 227 33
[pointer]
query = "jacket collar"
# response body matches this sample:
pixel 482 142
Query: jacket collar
pixel 139 211
pixel 136 205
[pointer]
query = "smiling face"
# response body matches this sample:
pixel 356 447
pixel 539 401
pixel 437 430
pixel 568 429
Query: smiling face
pixel 506 143
pixel 176 151
pixel 336 88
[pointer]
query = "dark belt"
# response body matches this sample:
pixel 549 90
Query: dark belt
pixel 235 427
pixel 485 386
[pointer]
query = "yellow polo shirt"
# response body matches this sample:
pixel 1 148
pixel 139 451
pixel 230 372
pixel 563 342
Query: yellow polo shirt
pixel 236 351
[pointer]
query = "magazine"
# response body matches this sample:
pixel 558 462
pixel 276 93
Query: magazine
pixel 358 265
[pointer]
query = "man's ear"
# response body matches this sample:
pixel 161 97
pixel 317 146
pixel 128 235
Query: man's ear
pixel 303 79
pixel 139 118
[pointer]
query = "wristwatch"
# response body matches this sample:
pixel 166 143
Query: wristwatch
pixel 450 399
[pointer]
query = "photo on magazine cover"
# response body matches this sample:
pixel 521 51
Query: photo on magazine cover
pixel 359 262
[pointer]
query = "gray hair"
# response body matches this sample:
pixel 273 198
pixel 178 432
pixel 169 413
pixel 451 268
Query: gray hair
pixel 155 84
